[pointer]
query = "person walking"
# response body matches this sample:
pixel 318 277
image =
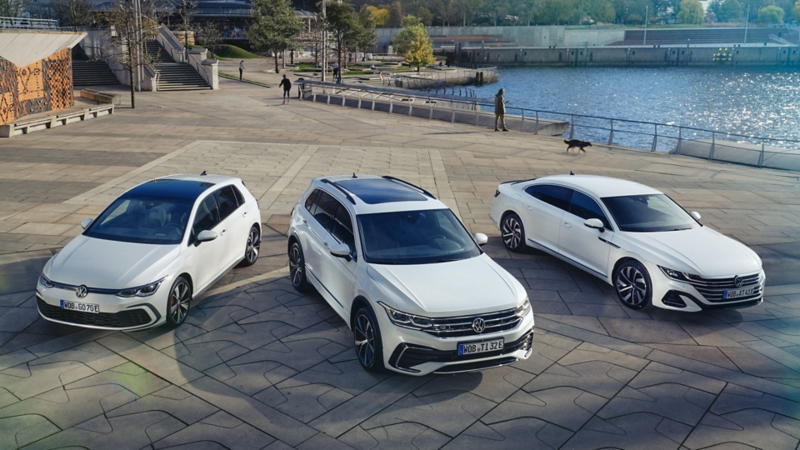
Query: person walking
pixel 241 69
pixel 500 109
pixel 287 86
pixel 336 72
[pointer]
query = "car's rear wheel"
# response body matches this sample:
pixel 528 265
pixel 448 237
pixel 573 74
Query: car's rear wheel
pixel 253 247
pixel 179 301
pixel 633 285
pixel 513 232
pixel 297 267
pixel 367 335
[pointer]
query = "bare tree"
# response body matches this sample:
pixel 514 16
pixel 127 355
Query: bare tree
pixel 13 8
pixel 185 10
pixel 72 13
pixel 209 35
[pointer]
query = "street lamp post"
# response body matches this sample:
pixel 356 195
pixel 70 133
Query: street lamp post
pixel 646 16
pixel 324 44
pixel 746 22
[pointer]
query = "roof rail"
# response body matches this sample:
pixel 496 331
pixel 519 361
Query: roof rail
pixel 340 188
pixel 398 180
pixel 517 181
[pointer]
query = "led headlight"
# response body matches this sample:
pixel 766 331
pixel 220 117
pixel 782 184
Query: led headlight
pixel 678 275
pixel 523 309
pixel 406 320
pixel 141 291
pixel 44 281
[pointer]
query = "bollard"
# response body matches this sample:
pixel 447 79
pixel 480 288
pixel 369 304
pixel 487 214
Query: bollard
pixel 572 126
pixel 329 98
pixel 713 145
pixel 410 108
pixel 655 140
pixel 611 134
pixel 359 103
pixel 476 116
pixel 391 106
pixel 536 130
pixel 453 115
pixel 314 97
pixel 680 141
pixel 761 156
pixel 522 126
pixel 342 98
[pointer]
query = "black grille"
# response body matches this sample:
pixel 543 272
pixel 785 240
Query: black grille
pixel 462 326
pixel 123 319
pixel 714 288
pixel 673 298
pixel 406 356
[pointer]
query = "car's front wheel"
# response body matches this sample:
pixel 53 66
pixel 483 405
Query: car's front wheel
pixel 633 285
pixel 297 267
pixel 367 334
pixel 253 247
pixel 513 232
pixel 179 301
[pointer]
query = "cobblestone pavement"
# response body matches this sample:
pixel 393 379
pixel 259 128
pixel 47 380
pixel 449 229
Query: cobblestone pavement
pixel 257 365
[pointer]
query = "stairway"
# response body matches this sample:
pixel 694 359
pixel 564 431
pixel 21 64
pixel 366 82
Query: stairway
pixel 92 73
pixel 173 76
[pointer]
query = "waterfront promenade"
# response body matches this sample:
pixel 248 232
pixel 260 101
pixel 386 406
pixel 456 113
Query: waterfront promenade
pixel 256 365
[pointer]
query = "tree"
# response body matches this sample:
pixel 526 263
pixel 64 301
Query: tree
pixel 727 10
pixel 209 35
pixel 274 27
pixel 379 15
pixel 425 16
pixel 599 10
pixel 402 42
pixel 13 8
pixel 556 12
pixel 395 15
pixel 366 37
pixel 796 11
pixel 185 9
pixel 769 15
pixel 72 13
pixel 691 11
pixel 446 10
pixel 420 51
pixel 496 10
pixel 341 21
pixel 468 9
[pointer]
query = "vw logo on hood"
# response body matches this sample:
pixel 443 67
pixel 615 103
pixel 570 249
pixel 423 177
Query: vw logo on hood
pixel 81 291
pixel 737 281
pixel 478 325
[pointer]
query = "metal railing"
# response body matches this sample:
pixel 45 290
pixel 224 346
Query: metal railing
pixel 453 81
pixel 716 145
pixel 26 23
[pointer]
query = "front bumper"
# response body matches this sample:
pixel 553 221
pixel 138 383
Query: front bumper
pixel 116 313
pixel 418 353
pixel 683 296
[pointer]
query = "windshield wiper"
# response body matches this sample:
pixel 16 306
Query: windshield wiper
pixel 449 260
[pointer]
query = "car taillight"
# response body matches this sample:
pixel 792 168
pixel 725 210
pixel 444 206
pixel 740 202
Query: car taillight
pixel 291 214
pixel 497 192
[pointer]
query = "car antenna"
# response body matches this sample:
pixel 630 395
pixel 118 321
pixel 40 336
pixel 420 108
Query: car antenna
pixel 203 174
pixel 354 175
pixel 571 172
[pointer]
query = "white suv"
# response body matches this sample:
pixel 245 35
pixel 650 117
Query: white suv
pixel 406 276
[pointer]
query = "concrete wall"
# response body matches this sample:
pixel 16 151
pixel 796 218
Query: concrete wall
pixel 536 36
pixel 44 85
pixel 631 56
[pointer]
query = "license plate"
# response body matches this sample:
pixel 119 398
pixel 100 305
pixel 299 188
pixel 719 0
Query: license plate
pixel 78 306
pixel 737 293
pixel 470 348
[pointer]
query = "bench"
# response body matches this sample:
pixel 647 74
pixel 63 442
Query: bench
pixel 47 122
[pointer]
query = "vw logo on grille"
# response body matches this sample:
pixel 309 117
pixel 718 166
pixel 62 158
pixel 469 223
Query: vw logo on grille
pixel 738 281
pixel 81 291
pixel 478 325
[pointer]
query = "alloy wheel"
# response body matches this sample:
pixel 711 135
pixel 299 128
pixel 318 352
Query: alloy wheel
pixel 253 246
pixel 631 286
pixel 512 232
pixel 179 300
pixel 296 265
pixel 364 334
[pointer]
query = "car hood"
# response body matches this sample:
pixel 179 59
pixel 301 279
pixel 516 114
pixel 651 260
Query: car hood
pixel 107 264
pixel 468 286
pixel 701 251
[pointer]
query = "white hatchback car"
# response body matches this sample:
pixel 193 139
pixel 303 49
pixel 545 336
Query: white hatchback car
pixel 144 258
pixel 633 237
pixel 407 277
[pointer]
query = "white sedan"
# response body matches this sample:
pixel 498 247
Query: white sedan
pixel 633 237
pixel 140 263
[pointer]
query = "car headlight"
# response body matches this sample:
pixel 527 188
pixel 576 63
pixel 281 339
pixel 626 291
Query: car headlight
pixel 678 275
pixel 522 310
pixel 44 281
pixel 406 320
pixel 141 291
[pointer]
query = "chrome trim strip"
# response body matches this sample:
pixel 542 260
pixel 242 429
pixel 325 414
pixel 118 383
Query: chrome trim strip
pixel 494 366
pixel 323 287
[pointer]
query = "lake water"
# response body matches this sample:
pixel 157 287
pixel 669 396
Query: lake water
pixel 742 100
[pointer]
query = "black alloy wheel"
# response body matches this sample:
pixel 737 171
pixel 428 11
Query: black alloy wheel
pixel 179 302
pixel 513 232
pixel 367 335
pixel 633 285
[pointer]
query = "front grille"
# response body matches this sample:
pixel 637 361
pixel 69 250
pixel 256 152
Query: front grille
pixel 714 288
pixel 446 327
pixel 123 319
pixel 406 356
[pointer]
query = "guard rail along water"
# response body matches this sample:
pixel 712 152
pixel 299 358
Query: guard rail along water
pixel 717 145
pixel 26 23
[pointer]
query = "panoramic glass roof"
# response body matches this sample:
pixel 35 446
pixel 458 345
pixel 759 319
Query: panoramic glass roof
pixel 381 190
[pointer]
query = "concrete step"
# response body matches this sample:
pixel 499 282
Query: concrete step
pixel 92 73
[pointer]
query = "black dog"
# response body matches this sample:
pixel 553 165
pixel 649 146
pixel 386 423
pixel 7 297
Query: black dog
pixel 577 143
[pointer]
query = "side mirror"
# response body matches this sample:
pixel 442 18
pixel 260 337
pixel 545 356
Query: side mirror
pixel 207 235
pixel 86 222
pixel 696 215
pixel 340 250
pixel 481 238
pixel 597 224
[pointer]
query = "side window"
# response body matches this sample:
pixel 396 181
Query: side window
pixel 586 208
pixel 325 209
pixel 311 201
pixel 342 228
pixel 554 195
pixel 226 200
pixel 207 216
pixel 239 196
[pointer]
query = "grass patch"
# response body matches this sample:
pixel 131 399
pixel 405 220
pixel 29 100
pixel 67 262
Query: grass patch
pixel 227 51
pixel 359 72
pixel 244 80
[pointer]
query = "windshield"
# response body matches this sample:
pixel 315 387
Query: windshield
pixel 415 237
pixel 142 220
pixel 648 213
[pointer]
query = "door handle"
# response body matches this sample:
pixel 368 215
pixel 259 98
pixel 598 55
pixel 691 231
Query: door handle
pixel 222 233
pixel 567 225
pixel 325 244
pixel 528 207
pixel 305 222
pixel 244 214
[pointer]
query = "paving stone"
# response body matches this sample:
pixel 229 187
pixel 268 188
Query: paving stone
pixel 25 380
pixel 18 431
pixel 566 407
pixel 151 360
pixel 495 385
pixel 92 354
pixel 591 352
pixel 15 358
pixel 251 378
pixel 597 377
pixel 411 436
pixel 163 337
pixel 220 428
pixel 128 375
pixel 542 356
pixel 636 431
pixel 306 403
pixel 204 355
pixel 347 376
pixel 657 373
pixel 736 398
pixel 677 402
pixel 299 355
pixel 214 318
pixel 16 319
pixel 647 331
pixel 710 355
pixel 335 331
pixel 7 398
pixel 752 427
pixel 322 440
pixel 516 433
pixel 587 323
pixel 302 316
pixel 173 400
pixel 250 336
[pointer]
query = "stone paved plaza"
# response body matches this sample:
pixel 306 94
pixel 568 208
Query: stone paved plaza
pixel 258 366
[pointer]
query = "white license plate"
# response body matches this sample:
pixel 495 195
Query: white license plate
pixel 78 306
pixel 737 293
pixel 470 348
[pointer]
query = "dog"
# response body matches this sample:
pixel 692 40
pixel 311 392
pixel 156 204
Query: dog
pixel 577 143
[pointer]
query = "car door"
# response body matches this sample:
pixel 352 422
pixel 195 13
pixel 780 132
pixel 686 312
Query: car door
pixel 231 222
pixel 586 246
pixel 208 256
pixel 337 273
pixel 544 208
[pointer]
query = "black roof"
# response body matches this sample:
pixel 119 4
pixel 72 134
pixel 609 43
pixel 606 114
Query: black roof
pixel 381 190
pixel 185 190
